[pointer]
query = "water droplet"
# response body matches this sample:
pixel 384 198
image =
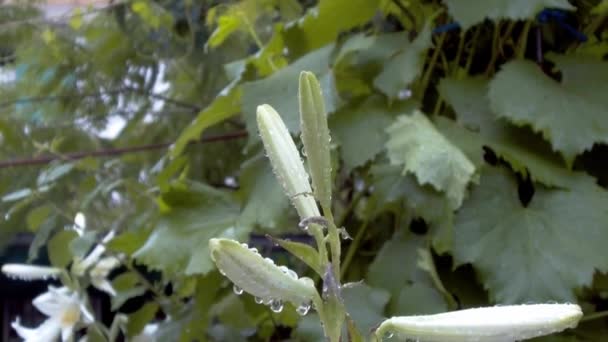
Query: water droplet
pixel 245 245
pixel 254 250
pixel 237 290
pixel 269 260
pixel 389 334
pixel 303 309
pixel 404 94
pixel 276 305
pixel 258 300
pixel 222 272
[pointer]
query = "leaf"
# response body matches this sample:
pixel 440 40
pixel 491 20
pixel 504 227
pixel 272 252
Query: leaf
pixel 225 105
pixel 17 195
pixel 365 304
pixel 403 68
pixel 571 115
pixel 38 216
pixel 258 181
pixel 470 12
pixel 226 25
pixel 415 142
pixel 54 172
pixel 322 24
pixel 302 251
pixel 419 299
pixel 540 252
pixel 525 152
pixel 280 90
pixel 140 318
pixel 179 242
pixel 59 253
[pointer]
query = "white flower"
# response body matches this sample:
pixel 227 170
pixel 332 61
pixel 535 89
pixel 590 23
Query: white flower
pixel 30 272
pixel 148 334
pixel 492 324
pixel 80 266
pixel 64 308
pixel 99 274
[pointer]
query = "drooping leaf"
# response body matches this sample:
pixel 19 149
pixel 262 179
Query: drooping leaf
pixel 470 12
pixel 224 106
pixel 536 253
pixel 415 143
pixel 304 252
pixel 179 242
pixel 403 68
pixel 323 24
pixel 569 114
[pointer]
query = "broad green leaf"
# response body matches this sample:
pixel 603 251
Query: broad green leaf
pixel 403 68
pixel 365 304
pixel 54 172
pixel 418 299
pixel 57 248
pixel 140 318
pixel 525 152
pixel 38 216
pixel 540 252
pixel 322 24
pixel 415 143
pixel 179 242
pixel 226 25
pixel 304 252
pixel 470 12
pixel 569 114
pixel 224 106
pixel 257 181
pixel 280 90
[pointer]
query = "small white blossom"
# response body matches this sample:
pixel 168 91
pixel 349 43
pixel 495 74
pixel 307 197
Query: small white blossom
pixel 80 266
pixel 99 274
pixel 64 309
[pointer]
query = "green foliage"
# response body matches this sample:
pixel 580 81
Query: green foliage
pixel 482 148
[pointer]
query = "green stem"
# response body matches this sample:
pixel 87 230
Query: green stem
pixel 456 62
pixel 353 203
pixel 472 52
pixel 352 249
pixel 595 24
pixel 594 316
pixel 431 67
pixel 495 47
pixel 523 40
pixel 334 241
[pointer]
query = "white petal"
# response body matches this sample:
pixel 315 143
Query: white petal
pixel 104 285
pixel 492 324
pixel 30 272
pixel 47 331
pixel 55 300
pixel 66 333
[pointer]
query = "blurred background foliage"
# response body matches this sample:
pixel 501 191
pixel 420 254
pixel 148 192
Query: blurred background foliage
pixel 140 115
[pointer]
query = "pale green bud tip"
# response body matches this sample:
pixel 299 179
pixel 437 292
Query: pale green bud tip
pixel 285 160
pixel 30 272
pixel 492 324
pixel 259 276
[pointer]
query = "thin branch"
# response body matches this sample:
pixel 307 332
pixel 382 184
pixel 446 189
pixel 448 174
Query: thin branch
pixel 113 152
pixel 160 97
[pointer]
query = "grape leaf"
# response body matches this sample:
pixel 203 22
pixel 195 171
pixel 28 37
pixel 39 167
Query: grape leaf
pixel 179 242
pixel 524 151
pixel 322 24
pixel 258 181
pixel 536 253
pixel 470 12
pixel 280 90
pixel 360 131
pixel 365 304
pixel 405 66
pixel 571 115
pixel 415 143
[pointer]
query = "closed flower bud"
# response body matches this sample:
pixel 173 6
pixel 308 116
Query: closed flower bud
pixel 260 277
pixel 315 136
pixel 285 160
pixel 492 324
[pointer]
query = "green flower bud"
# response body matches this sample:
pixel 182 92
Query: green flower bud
pixel 259 276
pixel 492 324
pixel 285 160
pixel 315 136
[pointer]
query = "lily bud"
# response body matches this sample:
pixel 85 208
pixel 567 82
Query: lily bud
pixel 259 276
pixel 492 324
pixel 30 272
pixel 315 136
pixel 285 160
